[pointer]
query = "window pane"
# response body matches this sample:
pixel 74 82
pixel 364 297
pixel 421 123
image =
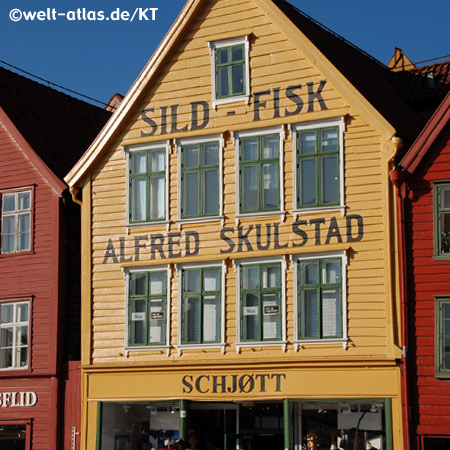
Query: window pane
pixel 251 317
pixel 211 154
pixel 211 280
pixel 211 192
pixel 138 284
pixel 157 197
pixel 22 335
pixel 308 188
pixel 191 194
pixel 190 156
pixel 7 243
pixel 223 87
pixel 330 189
pixel 331 313
pixel 192 319
pixel 7 313
pixel 222 55
pixel 23 357
pixel 270 147
pixel 331 272
pixel 158 282
pixel 192 280
pixel 157 321
pixel 271 276
pixel 445 232
pixel 138 163
pixel 308 142
pixel 271 316
pixel 5 358
pixel 139 199
pixel 157 160
pixel 8 224
pixel 330 140
pixel 447 311
pixel 7 336
pixel 308 273
pixel 310 314
pixel 24 230
pixel 138 322
pixel 249 149
pixel 238 79
pixel 447 362
pixel 24 200
pixel 250 188
pixel 250 277
pixel 445 197
pixel 271 192
pixel 447 327
pixel 211 319
pixel 9 202
pixel 237 53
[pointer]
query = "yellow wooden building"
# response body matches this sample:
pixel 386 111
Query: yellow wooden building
pixel 238 283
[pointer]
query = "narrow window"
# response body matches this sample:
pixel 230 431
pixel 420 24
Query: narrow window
pixel 14 339
pixel 147 185
pixel 442 219
pixel 230 71
pixel 201 305
pixel 148 308
pixel 443 337
pixel 261 309
pixel 16 222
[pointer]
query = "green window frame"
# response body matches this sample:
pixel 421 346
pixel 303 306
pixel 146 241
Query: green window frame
pixel 147 185
pixel 201 305
pixel 16 221
pixel 320 298
pixel 442 220
pixel 200 178
pixel 259 173
pixel 318 167
pixel 261 302
pixel 14 335
pixel 230 71
pixel 442 329
pixel 147 308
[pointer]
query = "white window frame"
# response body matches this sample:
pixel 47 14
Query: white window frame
pixel 200 140
pixel 179 270
pixel 14 325
pixel 127 272
pixel 294 129
pixel 141 147
pixel 212 50
pixel 16 213
pixel 237 268
pixel 325 255
pixel 237 135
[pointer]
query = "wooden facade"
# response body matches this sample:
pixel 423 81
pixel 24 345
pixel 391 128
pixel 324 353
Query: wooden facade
pixel 293 87
pixel 424 169
pixel 38 272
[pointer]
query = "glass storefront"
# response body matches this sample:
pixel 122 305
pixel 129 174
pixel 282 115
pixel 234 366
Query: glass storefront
pixel 13 437
pixel 249 425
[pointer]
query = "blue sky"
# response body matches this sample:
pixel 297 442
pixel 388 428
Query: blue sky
pixel 100 58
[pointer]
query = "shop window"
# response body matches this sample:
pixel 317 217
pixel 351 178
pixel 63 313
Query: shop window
pixel 201 305
pixel 436 443
pixel 230 70
pixel 319 175
pixel 16 221
pixel 200 172
pixel 443 337
pixel 147 307
pixel 442 220
pixel 14 437
pixel 147 178
pixel 321 305
pixel 15 335
pixel 261 299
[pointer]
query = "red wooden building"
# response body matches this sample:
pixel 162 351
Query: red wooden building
pixel 42 133
pixel 423 181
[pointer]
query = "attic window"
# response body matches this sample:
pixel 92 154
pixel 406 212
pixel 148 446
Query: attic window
pixel 230 70
pixel 430 78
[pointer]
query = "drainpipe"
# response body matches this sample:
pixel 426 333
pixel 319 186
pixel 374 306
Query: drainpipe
pixel 74 192
pixel 398 180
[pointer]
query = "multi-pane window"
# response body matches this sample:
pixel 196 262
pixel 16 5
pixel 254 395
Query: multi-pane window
pixel 320 306
pixel 201 305
pixel 443 336
pixel 200 179
pixel 14 338
pixel 147 178
pixel 259 173
pixel 147 314
pixel 318 170
pixel 230 71
pixel 261 302
pixel 16 222
pixel 442 219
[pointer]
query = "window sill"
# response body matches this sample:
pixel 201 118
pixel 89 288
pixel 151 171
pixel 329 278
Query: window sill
pixel 241 345
pixel 146 348
pixel 442 257
pixel 225 101
pixel 343 341
pixel 181 222
pixel 182 347
pixel 147 224
pixel 15 372
pixel 318 209
pixel 239 217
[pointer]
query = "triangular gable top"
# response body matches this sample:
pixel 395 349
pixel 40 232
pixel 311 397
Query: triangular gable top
pixel 53 181
pixel 286 18
pixel 424 142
